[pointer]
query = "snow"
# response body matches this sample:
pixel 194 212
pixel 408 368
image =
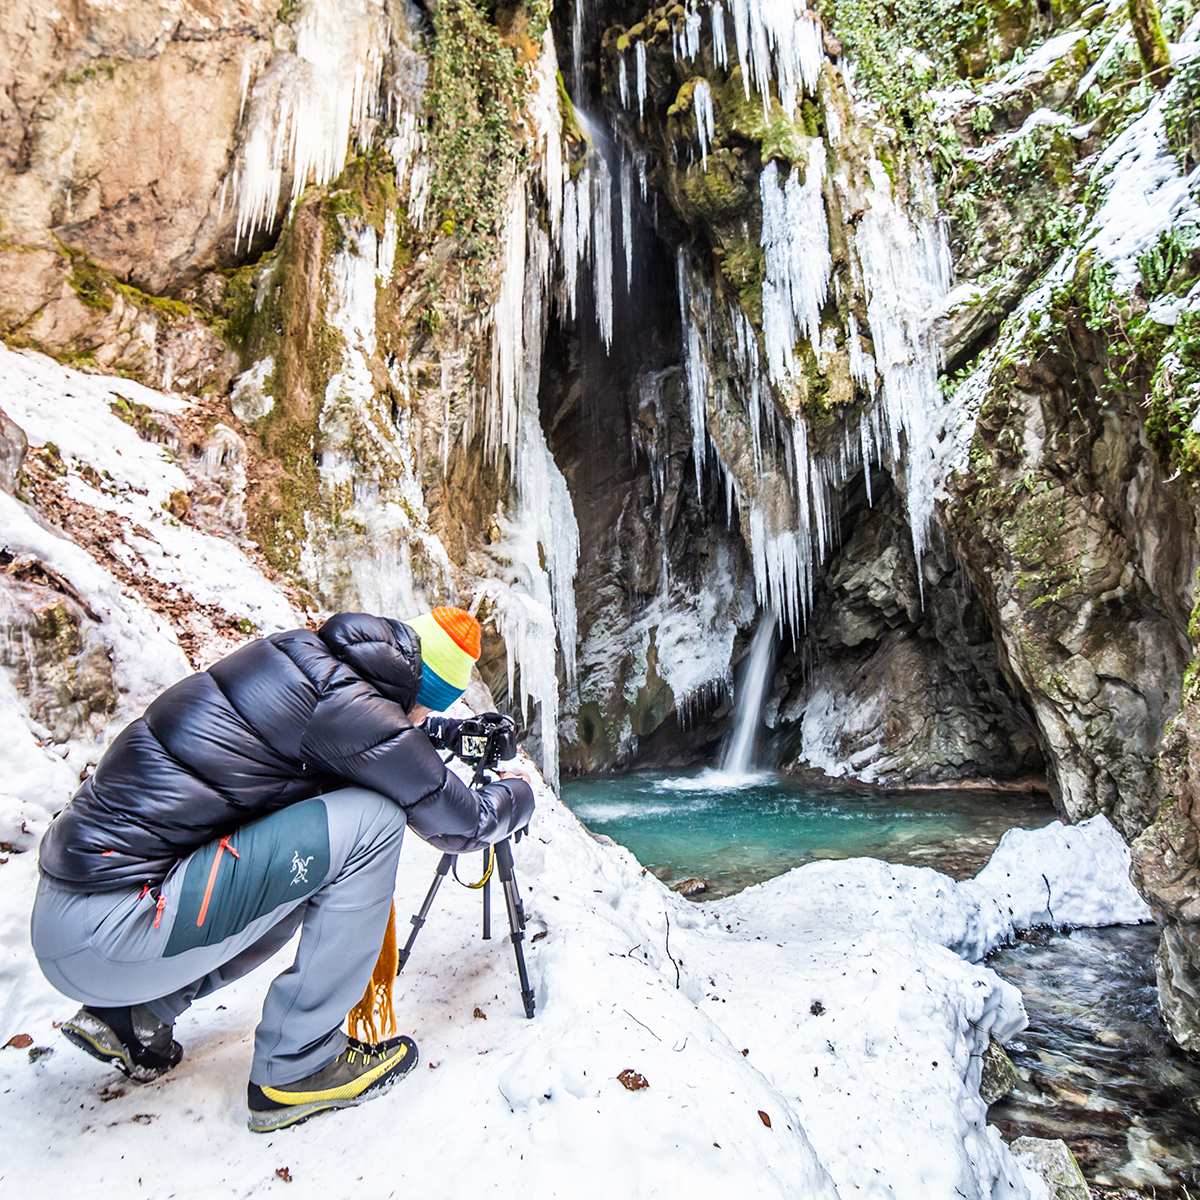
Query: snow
pixel 852 987
pixel 72 411
pixel 1037 62
pixel 1144 193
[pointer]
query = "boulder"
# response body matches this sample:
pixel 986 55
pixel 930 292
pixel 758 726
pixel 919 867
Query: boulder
pixel 13 445
pixel 1054 1162
pixel 999 1076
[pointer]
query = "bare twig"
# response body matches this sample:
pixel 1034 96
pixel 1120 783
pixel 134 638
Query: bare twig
pixel 668 945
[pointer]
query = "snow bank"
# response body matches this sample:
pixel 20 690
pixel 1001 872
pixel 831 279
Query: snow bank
pixel 835 1000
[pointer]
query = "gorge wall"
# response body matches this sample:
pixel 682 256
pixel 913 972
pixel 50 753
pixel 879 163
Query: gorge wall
pixel 628 328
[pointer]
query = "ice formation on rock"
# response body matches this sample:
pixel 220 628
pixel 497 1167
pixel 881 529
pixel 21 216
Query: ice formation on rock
pixel 779 37
pixel 304 110
pixel 720 50
pixel 906 272
pixel 795 239
pixel 389 513
pixel 627 216
pixel 640 57
pixel 705 118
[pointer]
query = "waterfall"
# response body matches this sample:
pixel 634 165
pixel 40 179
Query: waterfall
pixel 740 755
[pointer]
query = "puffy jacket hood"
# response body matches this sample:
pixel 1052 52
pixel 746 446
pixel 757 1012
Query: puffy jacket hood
pixel 384 652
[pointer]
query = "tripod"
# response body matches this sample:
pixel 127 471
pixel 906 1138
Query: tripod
pixel 502 860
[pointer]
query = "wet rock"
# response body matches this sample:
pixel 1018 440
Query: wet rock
pixel 999 1076
pixel 56 656
pixel 13 445
pixel 1055 1163
pixel 1166 869
pixel 690 887
pixel 907 686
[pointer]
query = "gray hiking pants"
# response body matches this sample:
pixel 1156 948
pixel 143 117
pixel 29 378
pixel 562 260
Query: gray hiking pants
pixel 325 866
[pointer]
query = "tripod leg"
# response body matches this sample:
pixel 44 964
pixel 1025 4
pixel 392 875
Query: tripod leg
pixel 516 919
pixel 418 920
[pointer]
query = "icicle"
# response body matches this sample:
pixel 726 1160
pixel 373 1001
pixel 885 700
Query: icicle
pixel 720 50
pixel 691 35
pixel 795 237
pixel 535 606
pixel 640 57
pixel 627 216
pixel 571 250
pixel 622 81
pixel 906 272
pixel 641 166
pixel 705 118
pixel 603 250
pixel 780 38
pixel 305 111
pixel 696 370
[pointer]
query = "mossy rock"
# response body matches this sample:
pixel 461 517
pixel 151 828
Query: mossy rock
pixel 999 1077
pixel 720 191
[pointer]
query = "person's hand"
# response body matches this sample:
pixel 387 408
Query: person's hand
pixel 518 774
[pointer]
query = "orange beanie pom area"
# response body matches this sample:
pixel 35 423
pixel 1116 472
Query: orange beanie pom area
pixel 462 627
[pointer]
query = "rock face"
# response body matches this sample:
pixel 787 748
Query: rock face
pixel 1086 560
pixel 1166 869
pixel 901 684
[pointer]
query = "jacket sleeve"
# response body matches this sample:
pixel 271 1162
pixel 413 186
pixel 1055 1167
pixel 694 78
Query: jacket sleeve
pixel 358 735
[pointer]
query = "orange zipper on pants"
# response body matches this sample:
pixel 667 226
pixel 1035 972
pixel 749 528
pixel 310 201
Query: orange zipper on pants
pixel 222 845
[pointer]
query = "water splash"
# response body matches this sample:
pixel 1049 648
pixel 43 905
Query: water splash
pixel 740 755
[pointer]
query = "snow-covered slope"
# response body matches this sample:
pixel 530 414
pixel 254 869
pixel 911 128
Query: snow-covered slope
pixel 830 1002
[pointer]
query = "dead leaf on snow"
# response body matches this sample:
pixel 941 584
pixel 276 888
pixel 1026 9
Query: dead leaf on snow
pixel 19 1042
pixel 284 1174
pixel 632 1080
pixel 765 1119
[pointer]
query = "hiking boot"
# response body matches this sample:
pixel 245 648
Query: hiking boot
pixel 131 1039
pixel 360 1072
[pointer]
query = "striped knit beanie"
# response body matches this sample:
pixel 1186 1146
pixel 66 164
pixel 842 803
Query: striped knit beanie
pixel 449 648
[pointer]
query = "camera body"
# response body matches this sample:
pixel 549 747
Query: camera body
pixel 483 741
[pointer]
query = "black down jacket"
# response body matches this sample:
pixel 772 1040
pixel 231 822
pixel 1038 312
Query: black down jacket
pixel 280 720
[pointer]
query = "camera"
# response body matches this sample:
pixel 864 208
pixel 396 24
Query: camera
pixel 482 741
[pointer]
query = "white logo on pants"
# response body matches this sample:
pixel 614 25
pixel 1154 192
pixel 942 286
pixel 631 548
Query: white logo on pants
pixel 300 866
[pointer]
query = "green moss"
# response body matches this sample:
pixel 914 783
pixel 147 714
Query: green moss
pixel 475 93
pixel 98 288
pixel 140 418
pixel 718 192
pixel 1181 116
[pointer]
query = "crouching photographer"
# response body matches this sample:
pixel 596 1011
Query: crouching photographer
pixel 266 795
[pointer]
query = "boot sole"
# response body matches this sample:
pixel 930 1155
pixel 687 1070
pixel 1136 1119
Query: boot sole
pixel 101 1050
pixel 95 1038
pixel 297 1114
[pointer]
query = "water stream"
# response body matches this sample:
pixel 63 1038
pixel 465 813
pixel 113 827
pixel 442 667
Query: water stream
pixel 1097 1068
